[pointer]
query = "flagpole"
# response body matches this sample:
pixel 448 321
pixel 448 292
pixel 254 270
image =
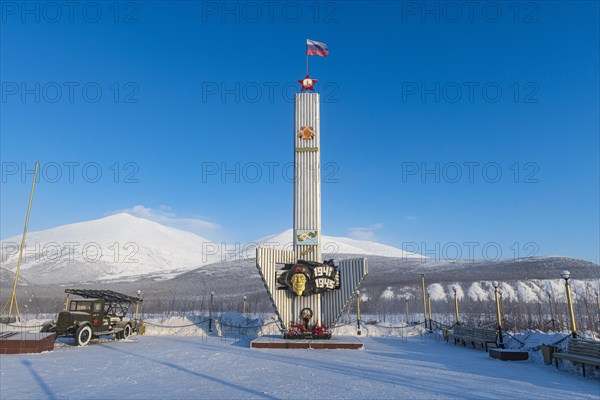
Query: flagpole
pixel 306 57
pixel 13 297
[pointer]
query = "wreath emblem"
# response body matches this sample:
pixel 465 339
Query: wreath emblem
pixel 306 133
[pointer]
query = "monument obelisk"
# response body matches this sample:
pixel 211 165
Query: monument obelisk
pixel 307 179
pixel 307 187
pixel 305 282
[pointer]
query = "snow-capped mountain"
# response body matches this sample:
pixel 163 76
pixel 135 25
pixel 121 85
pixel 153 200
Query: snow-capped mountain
pixel 120 246
pixel 125 250
pixel 126 253
pixel 330 246
pixel 125 247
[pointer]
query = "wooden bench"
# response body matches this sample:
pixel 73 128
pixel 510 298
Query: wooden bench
pixel 475 336
pixel 581 351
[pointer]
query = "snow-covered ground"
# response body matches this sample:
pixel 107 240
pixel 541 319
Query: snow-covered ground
pixel 186 363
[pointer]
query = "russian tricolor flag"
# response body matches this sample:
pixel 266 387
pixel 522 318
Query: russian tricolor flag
pixel 314 48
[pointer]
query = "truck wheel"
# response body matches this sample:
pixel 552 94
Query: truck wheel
pixel 126 331
pixel 83 335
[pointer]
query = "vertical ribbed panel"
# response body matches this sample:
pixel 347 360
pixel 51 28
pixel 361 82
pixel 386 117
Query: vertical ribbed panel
pixel 307 179
pixel 287 305
pixel 328 307
pixel 266 258
pixel 352 273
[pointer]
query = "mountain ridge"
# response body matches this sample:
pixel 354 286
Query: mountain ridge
pixel 165 275
pixel 125 247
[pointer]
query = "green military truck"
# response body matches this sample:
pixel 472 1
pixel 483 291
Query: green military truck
pixel 95 313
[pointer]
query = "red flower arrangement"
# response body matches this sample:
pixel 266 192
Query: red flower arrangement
pixel 303 331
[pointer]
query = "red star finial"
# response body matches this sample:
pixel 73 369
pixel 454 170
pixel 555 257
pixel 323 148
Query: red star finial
pixel 307 83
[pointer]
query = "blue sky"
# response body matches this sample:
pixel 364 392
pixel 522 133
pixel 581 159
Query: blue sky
pixel 442 128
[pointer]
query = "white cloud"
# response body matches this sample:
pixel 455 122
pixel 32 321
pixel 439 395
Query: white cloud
pixel 365 233
pixel 163 215
pixel 410 218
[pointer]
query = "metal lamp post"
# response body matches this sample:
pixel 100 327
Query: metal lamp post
pixel 552 320
pixel 358 312
pixel 244 307
pixel 137 308
pixel 137 305
pixel 598 302
pixel 424 300
pixel 455 289
pixel 429 306
pixel 501 304
pixel 499 316
pixel 210 310
pixel 566 275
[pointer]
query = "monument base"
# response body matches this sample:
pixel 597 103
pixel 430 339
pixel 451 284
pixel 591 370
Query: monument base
pixel 308 336
pixel 26 342
pixel 509 355
pixel 277 342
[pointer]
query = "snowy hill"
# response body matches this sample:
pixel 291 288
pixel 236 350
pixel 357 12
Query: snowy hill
pixel 124 247
pixel 120 246
pixel 167 263
pixel 330 246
